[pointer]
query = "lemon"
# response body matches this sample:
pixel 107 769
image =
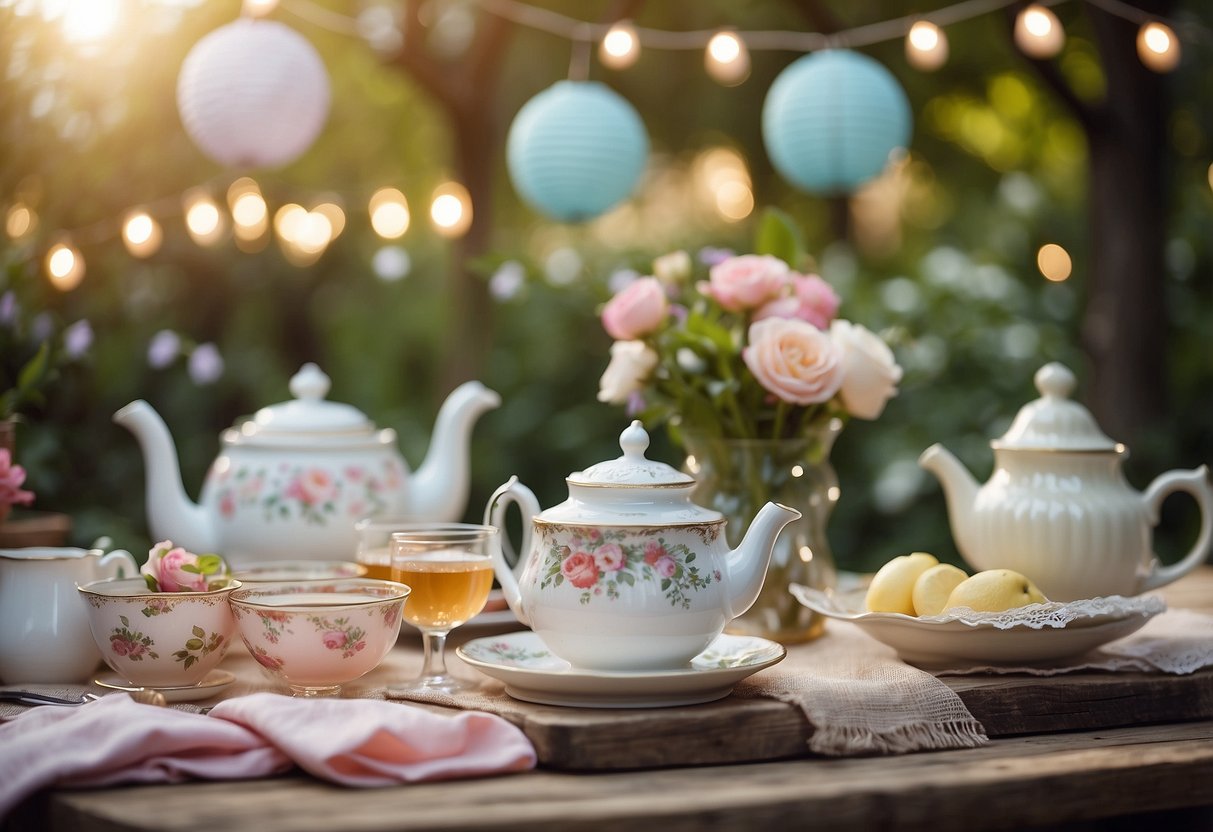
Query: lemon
pixel 933 587
pixel 995 590
pixel 892 587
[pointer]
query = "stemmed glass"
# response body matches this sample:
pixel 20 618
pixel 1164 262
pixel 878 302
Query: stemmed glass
pixel 450 569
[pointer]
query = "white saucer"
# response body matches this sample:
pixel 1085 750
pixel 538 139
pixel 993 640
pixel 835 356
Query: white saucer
pixel 210 685
pixel 531 673
pixel 933 642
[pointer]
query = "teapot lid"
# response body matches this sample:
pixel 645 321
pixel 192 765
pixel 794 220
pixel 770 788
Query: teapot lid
pixel 1054 422
pixel 633 468
pixel 308 412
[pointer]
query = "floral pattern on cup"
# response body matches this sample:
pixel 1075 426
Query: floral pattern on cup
pixel 155 606
pixel 507 653
pixel 274 622
pixel 131 644
pixel 602 563
pixel 263 658
pixel 198 646
pixel 340 634
pixel 313 493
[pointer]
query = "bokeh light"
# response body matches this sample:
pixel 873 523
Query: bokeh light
pixel 19 221
pixel 203 220
pixel 451 210
pixel 1038 32
pixel 926 46
pixel 64 266
pixel 726 58
pixel 389 212
pixel 1054 262
pixel 620 47
pixel 1157 47
pixel 141 234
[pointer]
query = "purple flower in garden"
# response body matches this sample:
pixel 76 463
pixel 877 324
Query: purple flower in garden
pixel 710 255
pixel 77 338
pixel 679 312
pixel 635 403
pixel 163 348
pixel 206 364
pixel 507 280
pixel 8 308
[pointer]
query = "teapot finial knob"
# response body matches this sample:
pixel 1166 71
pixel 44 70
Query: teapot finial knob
pixel 310 383
pixel 634 440
pixel 1055 380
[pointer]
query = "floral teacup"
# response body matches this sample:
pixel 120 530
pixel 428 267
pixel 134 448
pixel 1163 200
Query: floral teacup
pixel 317 635
pixel 159 639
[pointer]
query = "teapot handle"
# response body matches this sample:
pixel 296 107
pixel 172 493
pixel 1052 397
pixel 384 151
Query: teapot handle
pixel 1197 484
pixel 507 563
pixel 112 563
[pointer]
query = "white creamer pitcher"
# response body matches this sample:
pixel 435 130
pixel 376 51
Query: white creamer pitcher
pixel 44 632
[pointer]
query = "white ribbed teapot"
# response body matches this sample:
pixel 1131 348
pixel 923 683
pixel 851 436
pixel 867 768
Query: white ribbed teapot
pixel 628 574
pixel 1057 507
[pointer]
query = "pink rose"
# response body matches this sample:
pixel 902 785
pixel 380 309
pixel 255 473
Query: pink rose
pixel 334 639
pixel 639 309
pixel 173 578
pixel 315 487
pixel 812 300
pixel 227 504
pixel 794 360
pixel 653 551
pixel 609 558
pixel 665 566
pixel 11 479
pixel 580 570
pixel 746 282
pixel 119 645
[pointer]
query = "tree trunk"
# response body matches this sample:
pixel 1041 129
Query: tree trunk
pixel 1124 326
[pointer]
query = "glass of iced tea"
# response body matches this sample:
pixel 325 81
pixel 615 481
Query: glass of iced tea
pixel 449 567
pixel 375 543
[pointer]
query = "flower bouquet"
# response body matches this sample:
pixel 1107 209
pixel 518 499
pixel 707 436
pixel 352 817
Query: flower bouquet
pixel 754 373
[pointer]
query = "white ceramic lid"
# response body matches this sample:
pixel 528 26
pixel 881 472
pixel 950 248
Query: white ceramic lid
pixel 633 468
pixel 1054 422
pixel 308 417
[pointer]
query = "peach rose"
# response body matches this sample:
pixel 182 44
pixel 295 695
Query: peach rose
pixel 870 374
pixel 746 282
pixel 812 300
pixel 640 308
pixel 609 558
pixel 580 570
pixel 794 360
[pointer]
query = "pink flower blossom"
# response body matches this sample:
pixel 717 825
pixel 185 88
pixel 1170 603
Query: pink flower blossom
pixel 580 570
pixel 665 566
pixel 313 487
pixel 812 300
pixel 227 504
pixel 636 311
pixel 334 639
pixel 170 568
pixel 11 479
pixel 119 645
pixel 653 551
pixel 746 282
pixel 794 360
pixel 609 558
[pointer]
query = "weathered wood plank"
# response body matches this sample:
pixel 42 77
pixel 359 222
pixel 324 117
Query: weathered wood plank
pixel 1009 784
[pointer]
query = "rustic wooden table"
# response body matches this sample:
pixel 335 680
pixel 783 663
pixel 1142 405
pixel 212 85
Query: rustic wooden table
pixel 1138 774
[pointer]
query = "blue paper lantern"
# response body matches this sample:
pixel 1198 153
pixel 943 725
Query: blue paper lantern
pixel 831 119
pixel 576 150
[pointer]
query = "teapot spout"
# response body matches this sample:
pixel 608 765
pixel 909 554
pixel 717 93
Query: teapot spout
pixel 960 491
pixel 747 564
pixel 438 489
pixel 171 515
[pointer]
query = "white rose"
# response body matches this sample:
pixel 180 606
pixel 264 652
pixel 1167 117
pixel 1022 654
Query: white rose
pixel 631 364
pixel 672 267
pixel 870 374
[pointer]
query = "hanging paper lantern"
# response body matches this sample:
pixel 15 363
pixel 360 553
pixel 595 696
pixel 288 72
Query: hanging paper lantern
pixel 253 94
pixel 576 149
pixel 832 118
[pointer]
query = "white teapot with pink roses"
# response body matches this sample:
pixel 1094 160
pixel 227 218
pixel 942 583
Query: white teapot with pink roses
pixel 291 482
pixel 628 573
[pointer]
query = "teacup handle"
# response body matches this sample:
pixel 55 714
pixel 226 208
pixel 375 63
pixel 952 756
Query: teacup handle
pixel 111 563
pixel 1197 484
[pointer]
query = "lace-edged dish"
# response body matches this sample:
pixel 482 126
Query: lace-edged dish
pixel 1035 633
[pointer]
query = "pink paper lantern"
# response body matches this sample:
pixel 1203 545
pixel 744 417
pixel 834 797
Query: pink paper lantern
pixel 253 94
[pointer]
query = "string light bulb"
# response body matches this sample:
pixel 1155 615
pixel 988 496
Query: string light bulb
pixel 332 212
pixel 1054 262
pixel 19 221
pixel 451 210
pixel 1157 47
pixel 64 266
pixel 141 234
pixel 389 212
pixel 926 46
pixel 726 58
pixel 620 47
pixel 1038 32
pixel 203 220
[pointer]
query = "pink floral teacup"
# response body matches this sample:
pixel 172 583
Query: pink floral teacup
pixel 159 639
pixel 317 635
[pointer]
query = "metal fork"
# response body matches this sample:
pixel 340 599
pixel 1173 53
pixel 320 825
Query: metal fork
pixel 28 697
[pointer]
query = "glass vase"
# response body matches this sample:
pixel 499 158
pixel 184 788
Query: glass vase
pixel 737 477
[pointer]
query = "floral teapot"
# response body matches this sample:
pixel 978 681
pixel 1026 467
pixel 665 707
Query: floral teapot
pixel 628 573
pixel 1057 507
pixel 291 481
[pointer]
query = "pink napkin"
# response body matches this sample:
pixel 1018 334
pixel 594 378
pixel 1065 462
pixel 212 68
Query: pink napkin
pixel 355 742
